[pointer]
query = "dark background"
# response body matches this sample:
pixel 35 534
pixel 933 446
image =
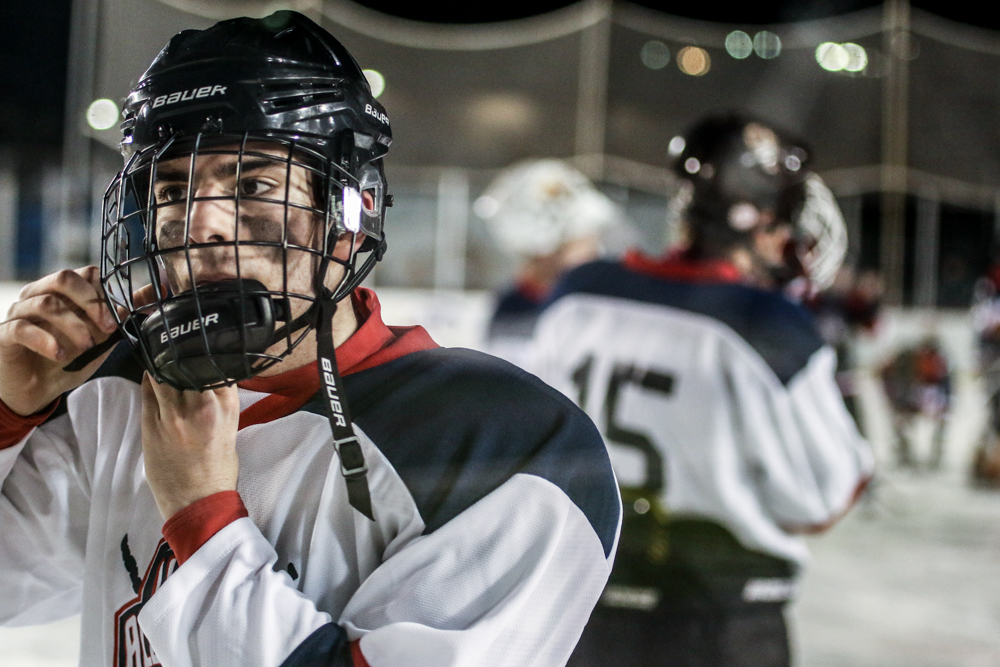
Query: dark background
pixel 34 47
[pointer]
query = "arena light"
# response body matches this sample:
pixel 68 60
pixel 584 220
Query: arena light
pixel 857 57
pixel 486 207
pixel 832 57
pixel 676 146
pixel 102 114
pixel 739 45
pixel 655 55
pixel 504 113
pixel 767 45
pixel 693 60
pixel 376 81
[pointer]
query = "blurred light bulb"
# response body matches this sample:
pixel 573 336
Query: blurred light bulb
pixel 832 57
pixel 376 81
pixel 767 45
pixel 655 55
pixel 102 114
pixel 676 146
pixel 486 207
pixel 738 44
pixel 743 216
pixel 857 58
pixel 692 165
pixel 693 60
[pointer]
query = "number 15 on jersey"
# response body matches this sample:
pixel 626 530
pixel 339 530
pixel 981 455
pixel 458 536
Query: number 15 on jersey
pixel 630 436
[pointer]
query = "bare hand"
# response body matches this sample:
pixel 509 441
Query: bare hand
pixel 189 443
pixel 55 320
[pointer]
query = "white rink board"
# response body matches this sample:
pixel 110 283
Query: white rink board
pixel 53 645
pixel 453 318
pixel 8 295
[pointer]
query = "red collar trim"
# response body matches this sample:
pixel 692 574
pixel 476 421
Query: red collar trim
pixel 532 290
pixel 373 344
pixel 676 266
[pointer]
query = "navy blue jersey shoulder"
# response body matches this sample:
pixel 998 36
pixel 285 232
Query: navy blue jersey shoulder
pixel 783 333
pixel 513 301
pixel 456 424
pixel 515 315
pixel 121 363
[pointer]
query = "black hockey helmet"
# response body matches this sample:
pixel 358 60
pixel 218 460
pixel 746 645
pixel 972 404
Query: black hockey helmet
pixel 742 174
pixel 739 175
pixel 278 90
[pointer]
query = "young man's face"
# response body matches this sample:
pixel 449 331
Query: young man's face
pixel 264 179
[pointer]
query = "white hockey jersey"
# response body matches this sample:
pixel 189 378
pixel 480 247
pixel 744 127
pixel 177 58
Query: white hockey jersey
pixel 496 521
pixel 718 394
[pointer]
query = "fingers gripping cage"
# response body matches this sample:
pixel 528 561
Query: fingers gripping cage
pixel 217 251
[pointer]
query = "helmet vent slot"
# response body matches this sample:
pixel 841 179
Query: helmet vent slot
pixel 288 95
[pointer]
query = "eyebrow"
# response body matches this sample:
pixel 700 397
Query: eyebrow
pixel 225 170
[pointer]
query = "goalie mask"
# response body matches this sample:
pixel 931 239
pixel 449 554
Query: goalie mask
pixel 740 176
pixel 251 202
pixel 535 206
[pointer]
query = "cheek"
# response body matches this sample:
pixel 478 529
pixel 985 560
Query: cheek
pixel 343 247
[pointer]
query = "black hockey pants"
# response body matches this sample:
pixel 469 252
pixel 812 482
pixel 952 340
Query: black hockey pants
pixel 753 635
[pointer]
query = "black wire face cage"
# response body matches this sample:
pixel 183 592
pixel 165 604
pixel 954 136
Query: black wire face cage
pixel 217 251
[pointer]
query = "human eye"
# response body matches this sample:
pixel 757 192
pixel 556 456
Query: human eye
pixel 170 192
pixel 255 186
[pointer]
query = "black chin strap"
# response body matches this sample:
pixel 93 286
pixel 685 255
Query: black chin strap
pixel 352 459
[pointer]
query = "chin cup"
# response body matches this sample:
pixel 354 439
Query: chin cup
pixel 216 336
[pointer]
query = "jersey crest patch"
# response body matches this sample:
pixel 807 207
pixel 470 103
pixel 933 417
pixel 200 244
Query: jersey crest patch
pixel 132 649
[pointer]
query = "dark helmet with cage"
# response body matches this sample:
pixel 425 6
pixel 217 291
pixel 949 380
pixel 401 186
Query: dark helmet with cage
pixel 739 176
pixel 271 124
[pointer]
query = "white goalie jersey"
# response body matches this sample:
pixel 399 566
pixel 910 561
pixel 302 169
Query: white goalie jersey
pixel 717 395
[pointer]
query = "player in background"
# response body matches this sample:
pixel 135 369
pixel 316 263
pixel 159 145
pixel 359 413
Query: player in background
pixel 985 315
pixel 263 473
pixel 845 311
pixel 917 383
pixel 717 401
pixel 552 219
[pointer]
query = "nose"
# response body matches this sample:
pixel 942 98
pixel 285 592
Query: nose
pixel 211 219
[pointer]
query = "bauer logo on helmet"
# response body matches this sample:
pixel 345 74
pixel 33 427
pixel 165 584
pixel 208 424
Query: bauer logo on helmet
pixel 185 95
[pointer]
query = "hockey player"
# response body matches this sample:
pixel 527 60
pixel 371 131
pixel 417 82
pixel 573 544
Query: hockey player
pixel 718 404
pixel 361 496
pixel 549 216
